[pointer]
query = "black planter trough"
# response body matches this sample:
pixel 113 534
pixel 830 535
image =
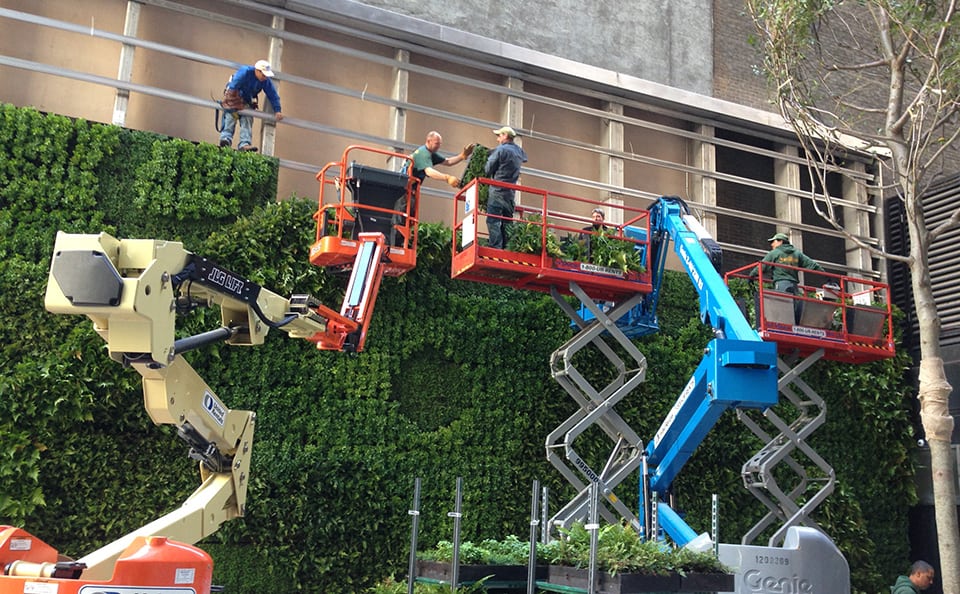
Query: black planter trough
pixel 502 578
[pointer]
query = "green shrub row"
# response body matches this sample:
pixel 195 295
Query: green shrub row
pixel 455 382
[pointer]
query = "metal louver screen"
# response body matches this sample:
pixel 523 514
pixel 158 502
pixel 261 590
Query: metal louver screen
pixel 939 203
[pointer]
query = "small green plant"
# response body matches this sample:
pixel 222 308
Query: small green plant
pixel 610 252
pixel 510 551
pixel 390 585
pixel 475 168
pixel 526 237
pixel 574 249
pixel 602 249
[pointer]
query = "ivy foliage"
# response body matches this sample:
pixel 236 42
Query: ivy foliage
pixel 476 167
pixel 527 236
pixel 454 383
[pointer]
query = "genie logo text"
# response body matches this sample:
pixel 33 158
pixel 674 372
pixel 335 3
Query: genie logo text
pixel 756 581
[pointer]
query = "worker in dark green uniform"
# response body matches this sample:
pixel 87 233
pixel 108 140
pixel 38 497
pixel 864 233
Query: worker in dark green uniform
pixel 782 252
pixel 920 578
pixel 785 280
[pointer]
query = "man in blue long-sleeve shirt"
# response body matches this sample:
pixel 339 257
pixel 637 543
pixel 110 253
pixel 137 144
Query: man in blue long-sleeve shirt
pixel 503 165
pixel 241 93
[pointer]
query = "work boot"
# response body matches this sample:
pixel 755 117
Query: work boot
pixel 248 148
pixel 224 143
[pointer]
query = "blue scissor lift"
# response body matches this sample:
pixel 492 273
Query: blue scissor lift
pixel 746 366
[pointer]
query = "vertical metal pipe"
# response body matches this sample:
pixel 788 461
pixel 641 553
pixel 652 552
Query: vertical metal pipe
pixel 715 523
pixel 654 508
pixel 534 522
pixel 594 529
pixel 645 496
pixel 456 515
pixel 545 516
pixel 414 525
pixel 268 128
pixel 125 71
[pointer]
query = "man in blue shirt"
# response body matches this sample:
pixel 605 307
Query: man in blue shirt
pixel 503 165
pixel 241 93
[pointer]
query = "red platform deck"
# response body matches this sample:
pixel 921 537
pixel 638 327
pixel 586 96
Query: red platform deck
pixel 550 220
pixel 537 272
pixel 848 317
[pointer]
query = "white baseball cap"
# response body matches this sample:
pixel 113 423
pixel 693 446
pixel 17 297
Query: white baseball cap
pixel 264 67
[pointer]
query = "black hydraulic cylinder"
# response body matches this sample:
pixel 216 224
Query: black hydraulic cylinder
pixel 198 340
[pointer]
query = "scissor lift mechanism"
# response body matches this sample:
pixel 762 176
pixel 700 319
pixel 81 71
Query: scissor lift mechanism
pixel 792 507
pixel 740 368
pixel 745 367
pixel 596 408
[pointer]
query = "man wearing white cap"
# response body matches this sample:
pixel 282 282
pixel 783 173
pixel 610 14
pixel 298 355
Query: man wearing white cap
pixel 241 93
pixel 503 165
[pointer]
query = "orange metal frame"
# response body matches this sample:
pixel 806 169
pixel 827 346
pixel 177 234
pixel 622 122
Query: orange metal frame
pixel 340 215
pixel 848 317
pixel 149 564
pixel 358 303
pixel 474 260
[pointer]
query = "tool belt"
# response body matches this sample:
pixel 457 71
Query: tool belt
pixel 233 101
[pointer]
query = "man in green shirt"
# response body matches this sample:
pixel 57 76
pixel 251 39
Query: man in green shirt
pixel 782 252
pixel 920 578
pixel 426 158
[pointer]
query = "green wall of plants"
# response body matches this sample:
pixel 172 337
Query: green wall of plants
pixel 455 382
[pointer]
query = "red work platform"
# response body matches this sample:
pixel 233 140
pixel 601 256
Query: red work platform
pixel 553 224
pixel 848 317
pixel 356 198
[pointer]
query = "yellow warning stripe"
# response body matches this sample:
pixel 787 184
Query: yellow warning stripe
pixel 517 262
pixel 871 346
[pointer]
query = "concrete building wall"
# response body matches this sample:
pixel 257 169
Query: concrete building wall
pixel 736 73
pixel 665 41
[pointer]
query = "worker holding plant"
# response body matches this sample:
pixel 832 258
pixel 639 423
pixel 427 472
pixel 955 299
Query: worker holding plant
pixel 426 159
pixel 595 228
pixel 503 165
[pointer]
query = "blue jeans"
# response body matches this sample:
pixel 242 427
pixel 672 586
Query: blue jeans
pixel 498 230
pixel 229 124
pixel 790 286
pixel 785 286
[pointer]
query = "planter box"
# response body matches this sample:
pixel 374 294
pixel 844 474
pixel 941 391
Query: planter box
pixel 867 322
pixel 708 582
pixel 778 309
pixel 635 583
pixel 817 314
pixel 500 574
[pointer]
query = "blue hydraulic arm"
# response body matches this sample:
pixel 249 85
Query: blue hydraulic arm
pixel 738 368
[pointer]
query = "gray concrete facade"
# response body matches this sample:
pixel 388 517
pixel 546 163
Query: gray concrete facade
pixel 664 41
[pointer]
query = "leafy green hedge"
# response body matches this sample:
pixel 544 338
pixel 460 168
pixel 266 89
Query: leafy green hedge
pixel 455 382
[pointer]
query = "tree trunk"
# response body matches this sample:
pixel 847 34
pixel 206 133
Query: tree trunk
pixel 934 392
